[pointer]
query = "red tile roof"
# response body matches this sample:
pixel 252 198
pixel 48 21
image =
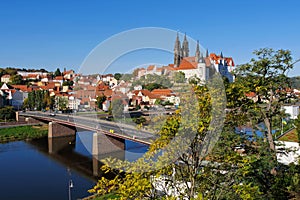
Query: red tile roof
pixel 106 93
pixel 150 68
pixel 146 93
pixel 23 88
pixel 217 59
pixel 59 78
pixel 163 92
pixel 68 72
pixel 187 63
pixel 250 94
pixel 5 76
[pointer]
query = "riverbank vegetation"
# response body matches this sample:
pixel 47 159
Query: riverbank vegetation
pixel 23 133
pixel 7 114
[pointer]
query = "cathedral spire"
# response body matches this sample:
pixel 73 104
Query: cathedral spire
pixel 177 51
pixel 221 55
pixel 207 53
pixel 197 54
pixel 185 47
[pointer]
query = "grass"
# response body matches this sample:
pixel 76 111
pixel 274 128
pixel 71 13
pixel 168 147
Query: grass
pixel 22 133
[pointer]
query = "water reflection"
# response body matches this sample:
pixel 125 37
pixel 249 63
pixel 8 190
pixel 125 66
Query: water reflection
pixel 43 168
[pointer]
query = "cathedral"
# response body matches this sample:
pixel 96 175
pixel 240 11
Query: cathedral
pixel 199 66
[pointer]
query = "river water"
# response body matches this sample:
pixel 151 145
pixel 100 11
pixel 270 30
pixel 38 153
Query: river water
pixel 30 170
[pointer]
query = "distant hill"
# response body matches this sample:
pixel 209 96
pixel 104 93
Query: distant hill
pixel 13 71
pixel 295 82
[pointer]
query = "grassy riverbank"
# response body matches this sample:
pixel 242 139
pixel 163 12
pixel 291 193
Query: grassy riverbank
pixel 23 133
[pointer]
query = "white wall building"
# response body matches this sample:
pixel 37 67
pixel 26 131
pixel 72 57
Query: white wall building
pixel 73 103
pixel 288 152
pixel 292 110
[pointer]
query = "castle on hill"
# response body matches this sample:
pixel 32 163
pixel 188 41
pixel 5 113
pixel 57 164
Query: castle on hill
pixel 199 66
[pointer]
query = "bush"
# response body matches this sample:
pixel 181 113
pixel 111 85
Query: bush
pixel 7 113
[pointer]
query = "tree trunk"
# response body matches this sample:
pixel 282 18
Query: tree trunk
pixel 269 134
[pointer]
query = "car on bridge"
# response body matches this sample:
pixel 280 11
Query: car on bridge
pixel 52 114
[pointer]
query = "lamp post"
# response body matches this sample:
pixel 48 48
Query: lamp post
pixel 70 186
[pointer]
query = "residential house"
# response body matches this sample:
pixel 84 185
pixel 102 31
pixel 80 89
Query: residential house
pixel 122 87
pixel 74 103
pixel 68 75
pixel 142 98
pixel 6 94
pixel 167 95
pixel 5 78
pixel 58 79
pixel 18 98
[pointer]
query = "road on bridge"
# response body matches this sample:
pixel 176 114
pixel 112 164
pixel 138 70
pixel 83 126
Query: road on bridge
pixel 120 130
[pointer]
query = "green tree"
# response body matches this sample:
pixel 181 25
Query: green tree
pixel 68 83
pixel 152 86
pixel 100 100
pixel 57 72
pixel 46 100
pixel 126 77
pixel 117 76
pixel 25 103
pixel 265 77
pixel 16 79
pixel 61 102
pixel 117 108
pixel 11 71
pixel 7 113
pixel 179 77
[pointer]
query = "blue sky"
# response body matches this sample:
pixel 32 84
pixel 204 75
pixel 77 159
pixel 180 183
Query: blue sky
pixel 51 34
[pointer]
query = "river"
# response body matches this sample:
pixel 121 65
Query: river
pixel 29 171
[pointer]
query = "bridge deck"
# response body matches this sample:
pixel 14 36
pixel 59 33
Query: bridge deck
pixel 101 126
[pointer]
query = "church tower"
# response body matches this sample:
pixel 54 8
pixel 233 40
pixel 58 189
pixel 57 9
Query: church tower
pixel 177 52
pixel 185 47
pixel 197 54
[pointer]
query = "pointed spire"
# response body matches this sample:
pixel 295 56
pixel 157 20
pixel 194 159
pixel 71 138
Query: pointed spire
pixel 197 54
pixel 185 47
pixel 177 38
pixel 207 53
pixel 177 51
pixel 197 47
pixel 221 55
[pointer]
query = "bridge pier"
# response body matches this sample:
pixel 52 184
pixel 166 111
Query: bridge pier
pixel 105 144
pixel 59 130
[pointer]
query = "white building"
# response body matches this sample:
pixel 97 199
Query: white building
pixel 288 152
pixel 73 103
pixel 292 110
